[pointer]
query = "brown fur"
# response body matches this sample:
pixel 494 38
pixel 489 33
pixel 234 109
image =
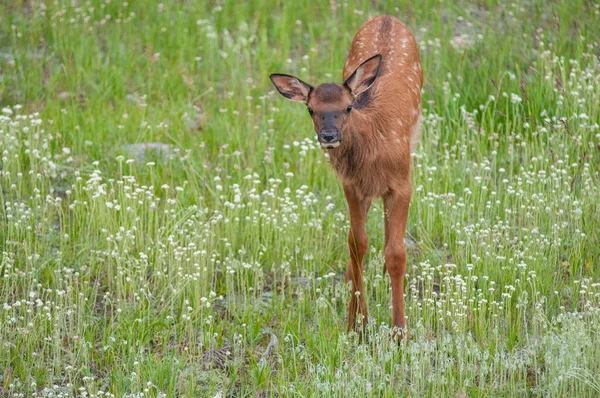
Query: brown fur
pixel 373 158
pixel 380 144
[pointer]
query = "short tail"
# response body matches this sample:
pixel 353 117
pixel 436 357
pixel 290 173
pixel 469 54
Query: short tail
pixel 415 134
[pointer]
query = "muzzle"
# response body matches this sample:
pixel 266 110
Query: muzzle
pixel 330 138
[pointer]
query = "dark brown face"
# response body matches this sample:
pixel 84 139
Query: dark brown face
pixel 329 105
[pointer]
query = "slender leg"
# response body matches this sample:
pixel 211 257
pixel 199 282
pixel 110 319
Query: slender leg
pixel 358 242
pixel 396 214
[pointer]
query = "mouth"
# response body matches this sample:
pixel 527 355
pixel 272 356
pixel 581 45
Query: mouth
pixel 330 145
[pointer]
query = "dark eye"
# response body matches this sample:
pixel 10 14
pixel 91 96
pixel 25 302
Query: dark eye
pixel 310 111
pixel 349 108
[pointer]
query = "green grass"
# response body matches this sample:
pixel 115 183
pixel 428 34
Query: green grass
pixel 216 267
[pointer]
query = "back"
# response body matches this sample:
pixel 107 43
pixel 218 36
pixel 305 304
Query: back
pixel 400 75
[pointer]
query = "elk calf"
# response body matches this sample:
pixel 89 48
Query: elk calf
pixel 368 125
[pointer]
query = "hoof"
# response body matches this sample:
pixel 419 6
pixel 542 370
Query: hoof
pixel 400 335
pixel 359 326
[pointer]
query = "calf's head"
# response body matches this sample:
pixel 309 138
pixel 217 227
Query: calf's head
pixel 330 104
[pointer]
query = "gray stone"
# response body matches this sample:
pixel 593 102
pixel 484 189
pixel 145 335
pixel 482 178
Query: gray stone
pixel 150 150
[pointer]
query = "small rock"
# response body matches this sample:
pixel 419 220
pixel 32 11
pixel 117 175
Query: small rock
pixel 409 243
pixel 300 281
pixel 142 151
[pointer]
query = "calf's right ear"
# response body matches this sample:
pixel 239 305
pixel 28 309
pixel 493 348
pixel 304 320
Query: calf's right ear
pixel 291 87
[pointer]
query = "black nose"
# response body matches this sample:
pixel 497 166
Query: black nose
pixel 329 135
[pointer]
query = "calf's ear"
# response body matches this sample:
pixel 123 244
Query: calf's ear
pixel 364 76
pixel 291 87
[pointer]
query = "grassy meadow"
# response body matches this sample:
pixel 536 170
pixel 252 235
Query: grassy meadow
pixel 170 226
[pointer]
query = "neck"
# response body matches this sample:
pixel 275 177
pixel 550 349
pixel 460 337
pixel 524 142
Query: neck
pixel 356 149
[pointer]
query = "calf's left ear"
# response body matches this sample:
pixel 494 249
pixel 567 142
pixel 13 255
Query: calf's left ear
pixel 364 76
pixel 291 87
